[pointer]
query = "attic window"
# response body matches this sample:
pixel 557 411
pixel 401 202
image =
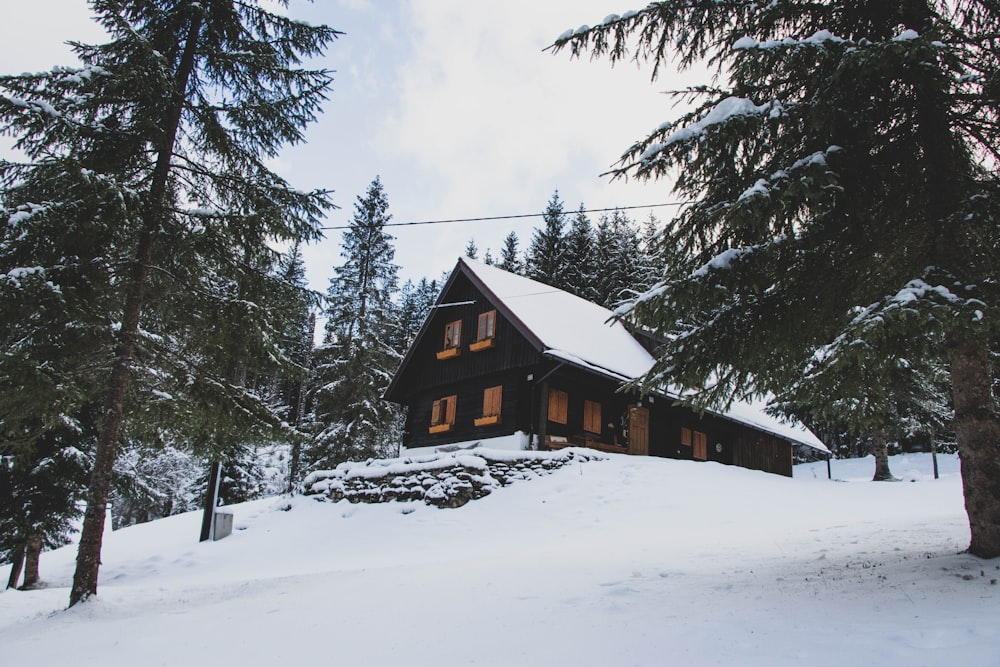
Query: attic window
pixel 452 340
pixel 443 414
pixel 492 401
pixel 697 440
pixel 485 332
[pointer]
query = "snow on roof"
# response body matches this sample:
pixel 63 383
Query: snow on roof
pixel 566 324
pixel 584 334
pixel 752 413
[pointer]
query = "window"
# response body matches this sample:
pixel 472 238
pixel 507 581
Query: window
pixel 487 325
pixel 443 414
pixel 452 340
pixel 558 406
pixel 492 402
pixel 485 331
pixel 697 440
pixel 453 334
pixel 591 417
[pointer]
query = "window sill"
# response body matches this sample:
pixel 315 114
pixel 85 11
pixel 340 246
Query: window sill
pixel 487 421
pixel 449 353
pixel 440 428
pixel 482 345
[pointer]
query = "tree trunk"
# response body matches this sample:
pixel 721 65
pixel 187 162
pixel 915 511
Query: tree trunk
pixel 32 553
pixel 88 560
pixel 977 430
pixel 16 564
pixel 880 449
pixel 299 407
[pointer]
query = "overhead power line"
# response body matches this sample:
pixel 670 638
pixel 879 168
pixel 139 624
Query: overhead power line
pixel 515 217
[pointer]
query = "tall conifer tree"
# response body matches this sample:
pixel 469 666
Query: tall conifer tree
pixel 357 358
pixel 547 253
pixel 172 122
pixel 580 260
pixel 510 259
pixel 843 170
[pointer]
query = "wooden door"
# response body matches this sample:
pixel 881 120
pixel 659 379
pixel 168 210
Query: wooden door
pixel 638 431
pixel 700 446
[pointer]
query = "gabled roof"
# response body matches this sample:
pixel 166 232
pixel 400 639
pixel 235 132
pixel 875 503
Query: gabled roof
pixel 563 325
pixel 567 328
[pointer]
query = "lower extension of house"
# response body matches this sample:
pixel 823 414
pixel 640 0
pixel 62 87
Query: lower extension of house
pixel 500 354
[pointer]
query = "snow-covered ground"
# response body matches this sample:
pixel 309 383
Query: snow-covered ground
pixel 627 561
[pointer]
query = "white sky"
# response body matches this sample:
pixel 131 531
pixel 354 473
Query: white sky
pixel 453 103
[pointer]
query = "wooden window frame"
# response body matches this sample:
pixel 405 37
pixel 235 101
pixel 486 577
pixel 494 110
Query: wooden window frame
pixel 592 417
pixel 443 414
pixel 486 329
pixel 492 405
pixel 452 340
pixel 558 409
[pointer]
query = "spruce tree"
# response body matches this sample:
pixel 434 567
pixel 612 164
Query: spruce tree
pixel 580 258
pixel 409 317
pixel 843 174
pixel 356 361
pixel 41 486
pixel 297 343
pixel 413 305
pixel 621 270
pixel 173 133
pixel 509 256
pixel 155 480
pixel 471 249
pixel 547 253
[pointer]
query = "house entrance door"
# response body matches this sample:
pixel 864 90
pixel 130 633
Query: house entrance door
pixel 638 431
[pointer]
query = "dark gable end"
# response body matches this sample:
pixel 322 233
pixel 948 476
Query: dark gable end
pixel 463 298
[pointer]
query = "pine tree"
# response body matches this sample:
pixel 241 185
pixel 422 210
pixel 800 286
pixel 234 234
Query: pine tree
pixel 471 250
pixel 580 259
pixel 172 134
pixel 297 343
pixel 620 270
pixel 357 359
pixel 547 253
pixel 509 255
pixel 657 252
pixel 870 391
pixel 844 176
pixel 41 486
pixel 153 481
pixel 413 305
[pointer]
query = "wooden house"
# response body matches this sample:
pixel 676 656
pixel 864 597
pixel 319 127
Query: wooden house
pixel 501 354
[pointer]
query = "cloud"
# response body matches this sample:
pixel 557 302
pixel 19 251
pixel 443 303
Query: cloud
pixel 34 33
pixel 497 124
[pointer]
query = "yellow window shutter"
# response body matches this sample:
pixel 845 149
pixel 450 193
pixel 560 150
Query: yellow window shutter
pixel 451 403
pixel 492 401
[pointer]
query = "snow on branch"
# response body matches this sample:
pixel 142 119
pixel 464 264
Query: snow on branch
pixel 723 260
pixel 818 38
pixel 724 111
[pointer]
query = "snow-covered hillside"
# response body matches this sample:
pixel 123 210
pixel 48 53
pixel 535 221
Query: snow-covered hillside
pixel 627 561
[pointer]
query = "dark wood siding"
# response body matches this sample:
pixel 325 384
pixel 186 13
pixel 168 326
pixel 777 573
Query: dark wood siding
pixel 513 416
pixel 426 372
pixel 761 451
pixel 581 386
